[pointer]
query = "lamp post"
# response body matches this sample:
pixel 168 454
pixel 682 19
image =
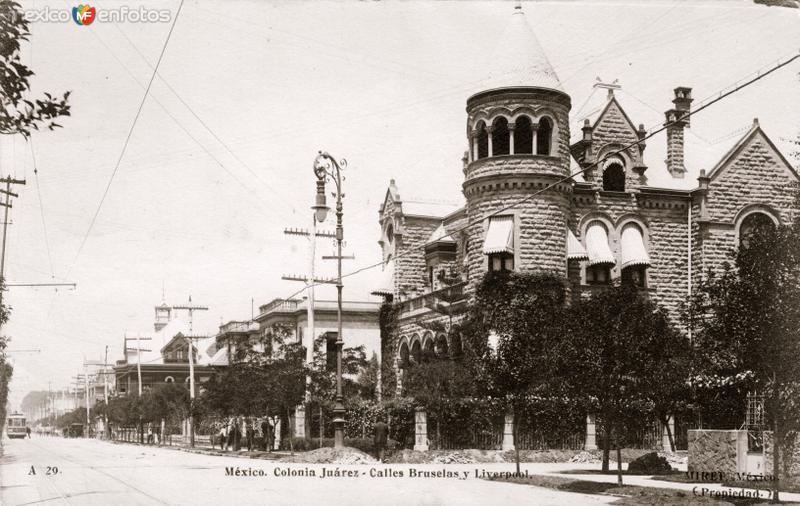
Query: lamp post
pixel 325 166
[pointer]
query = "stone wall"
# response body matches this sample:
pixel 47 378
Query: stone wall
pixel 717 451
pixel 664 220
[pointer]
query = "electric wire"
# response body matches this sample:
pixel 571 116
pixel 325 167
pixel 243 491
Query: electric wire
pixel 128 137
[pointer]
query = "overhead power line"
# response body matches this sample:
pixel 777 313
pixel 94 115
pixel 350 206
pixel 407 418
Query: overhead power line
pixel 721 96
pixel 128 137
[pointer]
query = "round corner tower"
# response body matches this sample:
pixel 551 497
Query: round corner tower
pixel 518 130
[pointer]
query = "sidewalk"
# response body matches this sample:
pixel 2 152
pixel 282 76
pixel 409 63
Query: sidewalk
pixel 642 481
pixel 207 450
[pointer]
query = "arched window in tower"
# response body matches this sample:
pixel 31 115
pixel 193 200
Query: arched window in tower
pixel 483 141
pixel 523 136
pixel 500 137
pixel 544 136
pixel 754 224
pixel 614 177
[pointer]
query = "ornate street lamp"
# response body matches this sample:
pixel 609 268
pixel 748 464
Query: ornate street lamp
pixel 325 166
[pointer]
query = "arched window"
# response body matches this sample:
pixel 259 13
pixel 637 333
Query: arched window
pixel 523 136
pixel 500 137
pixel 544 136
pixel 614 178
pixel 416 353
pixel 404 356
pixel 483 141
pixel 389 242
pixel 169 379
pixel 753 224
pixel 427 350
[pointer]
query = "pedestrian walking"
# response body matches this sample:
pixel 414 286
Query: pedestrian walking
pixel 229 440
pixel 222 436
pixel 250 434
pixel 237 435
pixel 380 439
pixel 28 432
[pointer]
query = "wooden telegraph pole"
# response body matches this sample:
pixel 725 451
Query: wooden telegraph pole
pixel 7 205
pixel 191 308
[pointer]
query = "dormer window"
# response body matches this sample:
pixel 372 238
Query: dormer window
pixel 614 177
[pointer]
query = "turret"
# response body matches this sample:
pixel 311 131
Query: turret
pixel 518 130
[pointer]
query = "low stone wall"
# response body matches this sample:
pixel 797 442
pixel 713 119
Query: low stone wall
pixel 790 457
pixel 717 451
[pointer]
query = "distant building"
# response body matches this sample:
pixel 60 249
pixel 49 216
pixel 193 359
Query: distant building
pixel 164 358
pixel 360 325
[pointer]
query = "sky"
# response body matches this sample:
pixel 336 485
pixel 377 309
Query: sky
pixel 220 159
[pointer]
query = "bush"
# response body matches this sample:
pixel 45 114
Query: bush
pixel 649 463
pixel 366 445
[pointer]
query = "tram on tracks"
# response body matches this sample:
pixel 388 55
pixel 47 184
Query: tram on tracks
pixel 16 426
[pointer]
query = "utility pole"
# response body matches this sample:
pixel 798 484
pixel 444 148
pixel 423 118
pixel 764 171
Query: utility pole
pixel 7 204
pixel 139 351
pixel 310 281
pixel 86 385
pixel 191 308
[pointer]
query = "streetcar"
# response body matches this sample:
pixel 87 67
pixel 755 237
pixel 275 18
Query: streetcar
pixel 16 426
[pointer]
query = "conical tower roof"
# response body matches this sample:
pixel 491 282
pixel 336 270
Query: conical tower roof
pixel 518 59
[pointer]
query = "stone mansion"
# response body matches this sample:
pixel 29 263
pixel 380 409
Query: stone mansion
pixel 585 203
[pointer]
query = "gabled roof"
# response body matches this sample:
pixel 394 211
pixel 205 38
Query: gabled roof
pixel 736 149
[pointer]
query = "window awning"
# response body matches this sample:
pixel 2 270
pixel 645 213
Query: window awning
pixel 500 236
pixel 632 248
pixel 597 245
pixel 386 280
pixel 575 250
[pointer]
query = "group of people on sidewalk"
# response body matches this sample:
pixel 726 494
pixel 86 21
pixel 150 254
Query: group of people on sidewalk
pixel 230 434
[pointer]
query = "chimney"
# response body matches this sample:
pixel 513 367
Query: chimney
pixel 676 121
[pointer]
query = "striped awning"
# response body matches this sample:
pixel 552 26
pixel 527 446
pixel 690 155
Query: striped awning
pixel 632 247
pixel 386 280
pixel 500 236
pixel 597 246
pixel 575 250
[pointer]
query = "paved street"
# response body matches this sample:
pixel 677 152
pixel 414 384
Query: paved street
pixel 94 472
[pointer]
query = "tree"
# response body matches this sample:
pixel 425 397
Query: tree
pixel 510 333
pixel 356 378
pixel 436 384
pixel 6 370
pixel 746 323
pixel 18 114
pixel 611 362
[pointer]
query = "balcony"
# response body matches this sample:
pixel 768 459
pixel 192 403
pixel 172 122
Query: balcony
pixel 446 300
pixel 279 305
